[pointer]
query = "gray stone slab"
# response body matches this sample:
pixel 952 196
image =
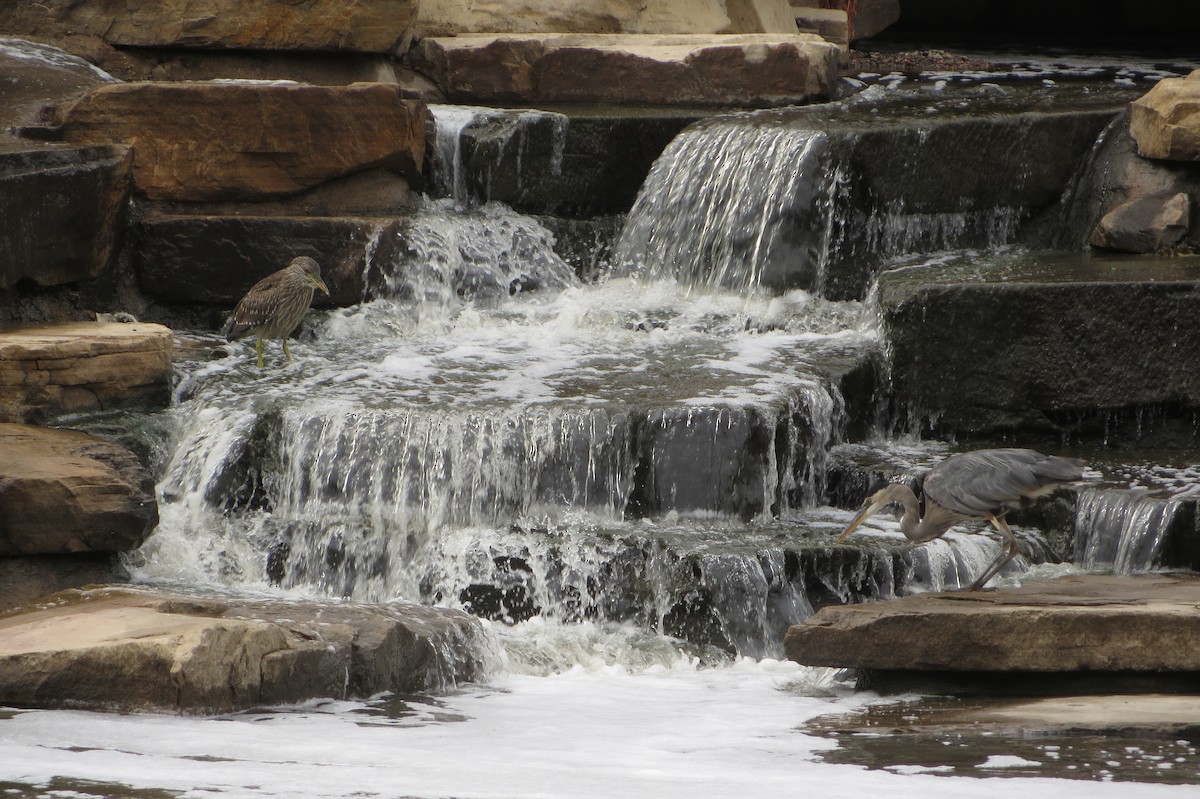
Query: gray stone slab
pixel 1086 623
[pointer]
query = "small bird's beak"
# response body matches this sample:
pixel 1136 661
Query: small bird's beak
pixel 318 283
pixel 869 508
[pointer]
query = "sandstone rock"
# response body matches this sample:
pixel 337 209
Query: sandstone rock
pixel 80 194
pixel 143 649
pixel 65 491
pixel 742 70
pixel 1084 623
pixel 37 75
pixel 82 366
pixel 1165 122
pixel 379 26
pixel 249 140
pixel 215 259
pixel 457 17
pixel 1148 224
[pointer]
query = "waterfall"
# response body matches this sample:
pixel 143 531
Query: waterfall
pixel 722 200
pixel 1122 530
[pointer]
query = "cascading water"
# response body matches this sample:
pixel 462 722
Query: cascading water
pixel 1122 530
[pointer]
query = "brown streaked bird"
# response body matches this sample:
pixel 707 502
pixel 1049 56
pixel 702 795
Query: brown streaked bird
pixel 984 484
pixel 274 306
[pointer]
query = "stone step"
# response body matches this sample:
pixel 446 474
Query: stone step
pixel 249 140
pixel 82 367
pixel 1051 349
pixel 1080 633
pixel 679 70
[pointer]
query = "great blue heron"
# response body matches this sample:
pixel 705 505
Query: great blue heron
pixel 274 306
pixel 984 484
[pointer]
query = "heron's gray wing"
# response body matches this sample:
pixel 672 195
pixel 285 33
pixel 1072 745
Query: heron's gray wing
pixel 255 308
pixel 990 481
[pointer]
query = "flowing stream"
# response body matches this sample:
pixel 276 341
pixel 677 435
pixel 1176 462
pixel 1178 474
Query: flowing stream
pixel 625 479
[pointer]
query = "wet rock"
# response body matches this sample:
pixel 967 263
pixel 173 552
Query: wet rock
pixel 1055 351
pixel 549 163
pixel 1165 122
pixel 34 75
pixel 743 70
pixel 79 367
pixel 81 194
pixel 213 260
pixel 1148 224
pixel 1093 623
pixel 125 649
pixel 245 141
pixel 63 491
pixel 372 26
pixel 25 578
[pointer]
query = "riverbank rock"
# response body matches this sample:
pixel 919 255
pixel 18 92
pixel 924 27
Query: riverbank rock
pixel 1165 122
pixel 144 649
pixel 1147 224
pixel 249 140
pixel 65 491
pixel 1073 632
pixel 379 26
pixel 77 367
pixel 733 70
pixel 81 195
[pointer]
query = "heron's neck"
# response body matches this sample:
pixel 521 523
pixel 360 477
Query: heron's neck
pixel 911 523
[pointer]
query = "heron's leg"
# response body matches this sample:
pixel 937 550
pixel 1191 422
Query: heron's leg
pixel 258 347
pixel 285 349
pixel 1010 549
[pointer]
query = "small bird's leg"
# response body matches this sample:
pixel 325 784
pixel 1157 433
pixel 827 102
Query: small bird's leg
pixel 1010 549
pixel 285 349
pixel 258 347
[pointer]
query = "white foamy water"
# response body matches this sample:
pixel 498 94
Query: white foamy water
pixel 671 730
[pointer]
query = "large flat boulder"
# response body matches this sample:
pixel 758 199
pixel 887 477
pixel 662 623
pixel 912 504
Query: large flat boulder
pixel 82 366
pixel 65 491
pixel 141 649
pixel 1165 122
pixel 81 195
pixel 1082 624
pixel 731 70
pixel 379 26
pixel 249 140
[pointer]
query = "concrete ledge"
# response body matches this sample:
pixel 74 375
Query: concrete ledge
pixel 1093 624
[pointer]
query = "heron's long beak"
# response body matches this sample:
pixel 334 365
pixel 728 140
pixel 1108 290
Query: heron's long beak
pixel 318 283
pixel 869 509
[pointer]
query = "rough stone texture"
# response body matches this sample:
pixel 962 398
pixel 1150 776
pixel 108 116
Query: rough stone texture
pixel 219 141
pixel 1165 122
pixel 125 649
pixel 1058 351
pixel 379 26
pixel 80 194
pixel 542 162
pixel 741 70
pixel 34 75
pixel 456 17
pixel 1148 224
pixel 1085 623
pixel 82 366
pixel 24 579
pixel 64 491
pixel 214 259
